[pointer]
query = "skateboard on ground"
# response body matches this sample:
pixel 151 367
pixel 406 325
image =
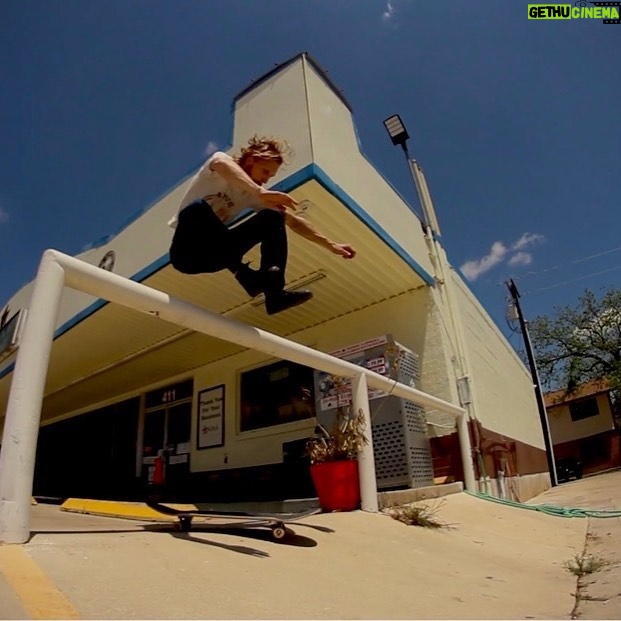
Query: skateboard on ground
pixel 222 520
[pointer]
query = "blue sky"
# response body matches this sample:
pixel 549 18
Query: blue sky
pixel 105 106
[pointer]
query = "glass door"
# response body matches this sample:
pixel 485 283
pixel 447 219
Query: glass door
pixel 154 439
pixel 178 429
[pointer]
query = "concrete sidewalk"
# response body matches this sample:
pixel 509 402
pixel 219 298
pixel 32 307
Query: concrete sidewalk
pixel 495 562
pixel 598 594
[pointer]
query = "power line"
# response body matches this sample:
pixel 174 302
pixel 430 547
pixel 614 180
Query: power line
pixel 557 267
pixel 567 282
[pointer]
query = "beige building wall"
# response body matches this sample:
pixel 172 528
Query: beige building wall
pixel 563 429
pixel 439 373
pixel 337 153
pixel 504 397
pixel 405 317
pixel 278 107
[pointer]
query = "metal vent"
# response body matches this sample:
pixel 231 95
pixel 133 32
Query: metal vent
pixel 409 369
pixel 390 452
pixel 415 418
pixel 421 464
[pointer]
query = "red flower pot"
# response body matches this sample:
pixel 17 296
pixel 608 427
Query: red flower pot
pixel 337 484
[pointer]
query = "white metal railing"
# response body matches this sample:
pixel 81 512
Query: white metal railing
pixel 23 415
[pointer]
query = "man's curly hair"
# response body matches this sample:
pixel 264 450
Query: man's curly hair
pixel 266 147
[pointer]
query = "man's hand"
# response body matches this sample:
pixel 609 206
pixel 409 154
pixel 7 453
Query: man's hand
pixel 345 250
pixel 303 227
pixel 271 199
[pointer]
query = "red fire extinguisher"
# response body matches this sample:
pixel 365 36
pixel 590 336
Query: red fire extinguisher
pixel 159 476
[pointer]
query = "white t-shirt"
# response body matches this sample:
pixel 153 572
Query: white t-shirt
pixel 226 200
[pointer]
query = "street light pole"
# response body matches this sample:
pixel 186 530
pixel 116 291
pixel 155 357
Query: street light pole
pixel 399 136
pixel 443 279
pixel 543 415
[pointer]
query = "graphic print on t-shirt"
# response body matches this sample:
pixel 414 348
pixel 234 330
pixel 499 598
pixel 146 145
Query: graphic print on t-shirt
pixel 221 203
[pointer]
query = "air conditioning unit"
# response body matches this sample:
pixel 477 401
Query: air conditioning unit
pixel 400 442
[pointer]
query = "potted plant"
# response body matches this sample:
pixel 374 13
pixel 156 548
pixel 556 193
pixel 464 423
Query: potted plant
pixel 334 460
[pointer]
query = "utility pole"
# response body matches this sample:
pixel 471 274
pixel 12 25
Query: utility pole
pixel 543 415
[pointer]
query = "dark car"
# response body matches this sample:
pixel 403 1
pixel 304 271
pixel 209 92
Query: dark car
pixel 568 468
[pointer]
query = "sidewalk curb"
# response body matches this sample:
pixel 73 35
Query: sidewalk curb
pixel 118 509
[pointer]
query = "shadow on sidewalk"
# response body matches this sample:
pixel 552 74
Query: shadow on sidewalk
pixel 259 534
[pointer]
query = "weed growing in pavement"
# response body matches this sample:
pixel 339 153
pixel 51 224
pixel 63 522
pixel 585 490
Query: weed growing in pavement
pixel 419 515
pixel 584 564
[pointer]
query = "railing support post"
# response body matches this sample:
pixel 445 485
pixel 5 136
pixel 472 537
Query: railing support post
pixel 23 414
pixel 366 459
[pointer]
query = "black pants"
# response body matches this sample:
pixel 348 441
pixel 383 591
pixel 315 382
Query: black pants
pixel 202 243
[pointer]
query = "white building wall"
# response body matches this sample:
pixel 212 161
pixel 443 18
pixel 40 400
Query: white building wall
pixel 277 107
pixel 563 429
pixel 405 317
pixel 439 374
pixel 503 390
pixel 337 152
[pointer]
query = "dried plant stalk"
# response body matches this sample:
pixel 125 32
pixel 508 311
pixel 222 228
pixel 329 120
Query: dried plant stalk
pixel 344 441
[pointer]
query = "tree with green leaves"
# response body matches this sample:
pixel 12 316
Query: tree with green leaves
pixel 580 343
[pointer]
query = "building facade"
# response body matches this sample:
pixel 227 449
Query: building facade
pixel 582 426
pixel 123 385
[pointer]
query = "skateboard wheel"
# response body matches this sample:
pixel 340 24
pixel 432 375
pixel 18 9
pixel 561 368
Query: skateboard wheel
pixel 279 532
pixel 185 523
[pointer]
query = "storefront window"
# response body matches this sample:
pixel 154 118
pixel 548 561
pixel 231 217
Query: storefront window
pixel 276 394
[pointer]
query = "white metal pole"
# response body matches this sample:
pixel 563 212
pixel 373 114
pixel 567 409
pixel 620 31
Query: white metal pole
pixel 366 459
pixel 424 197
pixel 440 261
pixel 466 452
pixel 431 212
pixel 23 414
pixel 115 288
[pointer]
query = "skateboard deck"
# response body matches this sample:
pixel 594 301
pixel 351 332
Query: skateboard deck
pixel 214 520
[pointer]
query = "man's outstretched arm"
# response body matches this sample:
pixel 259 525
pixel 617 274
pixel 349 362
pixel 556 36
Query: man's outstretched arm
pixel 303 227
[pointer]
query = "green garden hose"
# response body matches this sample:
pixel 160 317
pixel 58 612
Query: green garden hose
pixel 551 509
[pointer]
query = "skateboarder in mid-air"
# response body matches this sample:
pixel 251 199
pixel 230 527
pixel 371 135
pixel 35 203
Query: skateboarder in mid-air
pixel 204 241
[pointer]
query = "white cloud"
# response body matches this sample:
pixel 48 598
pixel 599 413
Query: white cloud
pixel 499 252
pixel 211 147
pixel 527 239
pixel 521 258
pixel 4 215
pixel 473 269
pixel 389 11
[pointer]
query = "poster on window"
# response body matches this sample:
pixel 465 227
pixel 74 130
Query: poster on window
pixel 210 418
pixel 333 394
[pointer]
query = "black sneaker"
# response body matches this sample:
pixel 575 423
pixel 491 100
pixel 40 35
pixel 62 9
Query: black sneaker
pixel 251 280
pixel 278 301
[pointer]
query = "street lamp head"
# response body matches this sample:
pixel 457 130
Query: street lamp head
pixel 396 130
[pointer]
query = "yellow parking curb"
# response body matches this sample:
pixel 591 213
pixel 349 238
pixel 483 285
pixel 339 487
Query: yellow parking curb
pixel 114 508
